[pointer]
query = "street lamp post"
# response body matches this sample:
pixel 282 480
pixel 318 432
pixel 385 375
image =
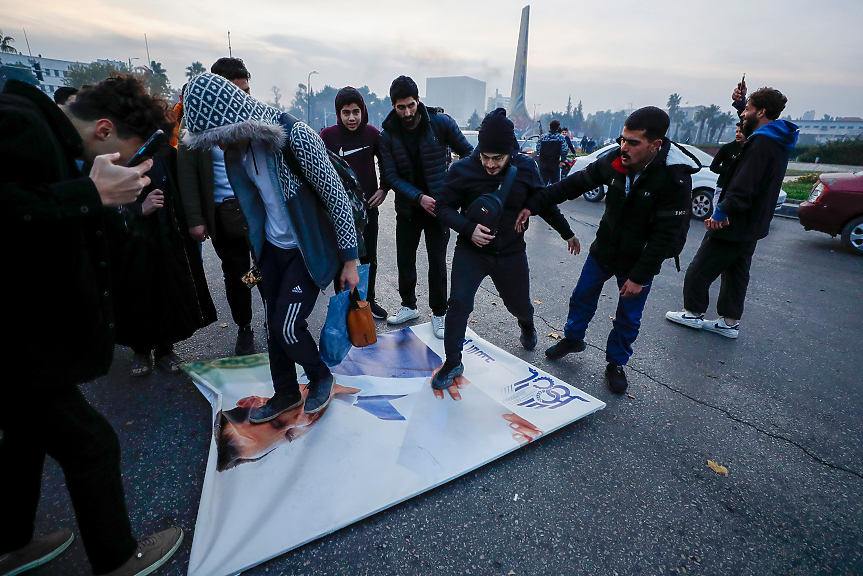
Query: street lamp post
pixel 309 97
pixel 130 63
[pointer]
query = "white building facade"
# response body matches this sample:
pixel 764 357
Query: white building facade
pixel 459 96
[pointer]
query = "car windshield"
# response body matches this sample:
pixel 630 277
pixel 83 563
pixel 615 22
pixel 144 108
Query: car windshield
pixel 703 157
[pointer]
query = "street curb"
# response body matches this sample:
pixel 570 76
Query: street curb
pixel 787 211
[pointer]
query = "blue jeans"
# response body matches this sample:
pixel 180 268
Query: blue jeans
pixel 582 307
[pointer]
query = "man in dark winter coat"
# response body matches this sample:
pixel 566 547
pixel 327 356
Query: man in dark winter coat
pixel 551 151
pixel 414 150
pixel 482 252
pixel 723 161
pixel 741 217
pixel 59 284
pixel 358 142
pixel 649 182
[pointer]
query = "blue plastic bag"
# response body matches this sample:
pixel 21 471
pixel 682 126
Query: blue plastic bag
pixel 335 344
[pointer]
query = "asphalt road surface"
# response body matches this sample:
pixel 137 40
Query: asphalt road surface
pixel 624 491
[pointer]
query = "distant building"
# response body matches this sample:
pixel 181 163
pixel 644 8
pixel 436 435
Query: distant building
pixel 809 115
pixel 459 96
pixel 497 101
pixel 48 71
pixel 821 131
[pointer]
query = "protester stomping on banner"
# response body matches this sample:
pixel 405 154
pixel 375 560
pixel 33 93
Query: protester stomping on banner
pixel 300 225
pixel 54 217
pixel 414 145
pixel 646 213
pixel 481 251
pixel 551 150
pixel 358 142
pixel 212 211
pixel 741 217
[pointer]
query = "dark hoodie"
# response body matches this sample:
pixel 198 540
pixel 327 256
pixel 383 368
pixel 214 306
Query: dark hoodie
pixel 753 188
pixel 360 147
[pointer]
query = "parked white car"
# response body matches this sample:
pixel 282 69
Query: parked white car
pixel 703 181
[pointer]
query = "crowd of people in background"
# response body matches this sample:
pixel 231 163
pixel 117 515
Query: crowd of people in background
pixel 109 254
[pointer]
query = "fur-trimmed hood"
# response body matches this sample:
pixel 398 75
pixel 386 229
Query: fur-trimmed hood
pixel 219 113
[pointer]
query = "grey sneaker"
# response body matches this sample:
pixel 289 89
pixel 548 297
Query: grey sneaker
pixel 403 315
pixel 443 380
pixel 719 326
pixel 686 318
pixel 320 394
pixel 39 551
pixel 438 324
pixel 152 552
pixel 276 405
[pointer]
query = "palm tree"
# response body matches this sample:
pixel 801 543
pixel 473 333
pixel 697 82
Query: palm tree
pixel 6 44
pixel 195 69
pixel 702 116
pixel 673 106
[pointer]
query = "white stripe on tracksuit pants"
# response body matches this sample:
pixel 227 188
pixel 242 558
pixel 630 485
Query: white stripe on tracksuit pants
pixel 289 297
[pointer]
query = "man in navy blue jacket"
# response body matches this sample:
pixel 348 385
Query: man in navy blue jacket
pixel 741 217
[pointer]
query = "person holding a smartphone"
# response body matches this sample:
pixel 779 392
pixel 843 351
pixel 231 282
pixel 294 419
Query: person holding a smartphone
pixel 63 327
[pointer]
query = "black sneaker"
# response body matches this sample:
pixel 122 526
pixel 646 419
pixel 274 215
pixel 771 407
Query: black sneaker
pixel 320 394
pixel 616 378
pixel 528 336
pixel 445 377
pixel 245 341
pixel 377 311
pixel 564 347
pixel 276 405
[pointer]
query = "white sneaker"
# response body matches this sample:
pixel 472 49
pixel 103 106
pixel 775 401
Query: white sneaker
pixel 686 318
pixel 403 315
pixel 437 326
pixel 719 326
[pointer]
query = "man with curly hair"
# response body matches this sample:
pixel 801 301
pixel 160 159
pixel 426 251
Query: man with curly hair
pixel 53 216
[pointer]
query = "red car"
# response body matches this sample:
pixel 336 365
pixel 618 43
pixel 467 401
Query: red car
pixel 835 206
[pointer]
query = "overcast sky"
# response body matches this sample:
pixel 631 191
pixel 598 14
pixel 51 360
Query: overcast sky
pixel 608 54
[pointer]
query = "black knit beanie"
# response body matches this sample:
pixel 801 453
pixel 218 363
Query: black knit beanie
pixel 497 134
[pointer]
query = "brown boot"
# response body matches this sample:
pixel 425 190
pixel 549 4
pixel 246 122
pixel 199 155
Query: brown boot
pixel 152 552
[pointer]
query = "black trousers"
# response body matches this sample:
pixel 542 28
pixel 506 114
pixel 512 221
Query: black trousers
pixel 86 447
pixel 511 277
pixel 717 257
pixel 408 234
pixel 370 235
pixel 289 297
pixel 236 261
pixel 549 172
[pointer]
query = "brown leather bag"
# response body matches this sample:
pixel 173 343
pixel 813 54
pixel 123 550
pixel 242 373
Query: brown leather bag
pixel 361 323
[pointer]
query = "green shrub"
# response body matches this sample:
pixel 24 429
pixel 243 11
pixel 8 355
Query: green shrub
pixel 848 152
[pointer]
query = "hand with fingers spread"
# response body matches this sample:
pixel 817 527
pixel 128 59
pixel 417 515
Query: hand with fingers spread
pixel 118 185
pixel 574 246
pixel 524 430
pixel 481 236
pixel 459 382
pixel 154 201
pixel 521 221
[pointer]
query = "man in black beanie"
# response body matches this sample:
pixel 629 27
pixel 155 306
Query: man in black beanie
pixel 498 249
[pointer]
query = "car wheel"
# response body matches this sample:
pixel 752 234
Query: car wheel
pixel 595 195
pixel 852 235
pixel 702 204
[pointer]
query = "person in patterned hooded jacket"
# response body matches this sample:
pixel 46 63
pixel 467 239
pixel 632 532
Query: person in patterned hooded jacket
pixel 300 243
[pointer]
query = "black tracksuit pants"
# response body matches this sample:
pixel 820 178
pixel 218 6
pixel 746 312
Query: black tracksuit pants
pixel 408 233
pixel 717 257
pixel 511 277
pixel 370 236
pixel 289 297
pixel 550 172
pixel 86 447
pixel 236 261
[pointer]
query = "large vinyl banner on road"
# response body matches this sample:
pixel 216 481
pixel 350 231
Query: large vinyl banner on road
pixel 272 487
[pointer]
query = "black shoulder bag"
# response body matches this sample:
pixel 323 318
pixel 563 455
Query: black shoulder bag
pixel 486 209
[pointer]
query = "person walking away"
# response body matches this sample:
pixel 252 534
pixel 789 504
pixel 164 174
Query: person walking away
pixel 741 217
pixel 551 151
pixel 649 183
pixel 358 142
pixel 53 222
pixel 414 145
pixel 482 252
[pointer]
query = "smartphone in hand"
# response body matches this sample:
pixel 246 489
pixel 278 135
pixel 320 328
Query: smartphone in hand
pixel 150 147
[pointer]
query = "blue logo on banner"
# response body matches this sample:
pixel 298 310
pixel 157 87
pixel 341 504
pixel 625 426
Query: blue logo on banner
pixel 537 391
